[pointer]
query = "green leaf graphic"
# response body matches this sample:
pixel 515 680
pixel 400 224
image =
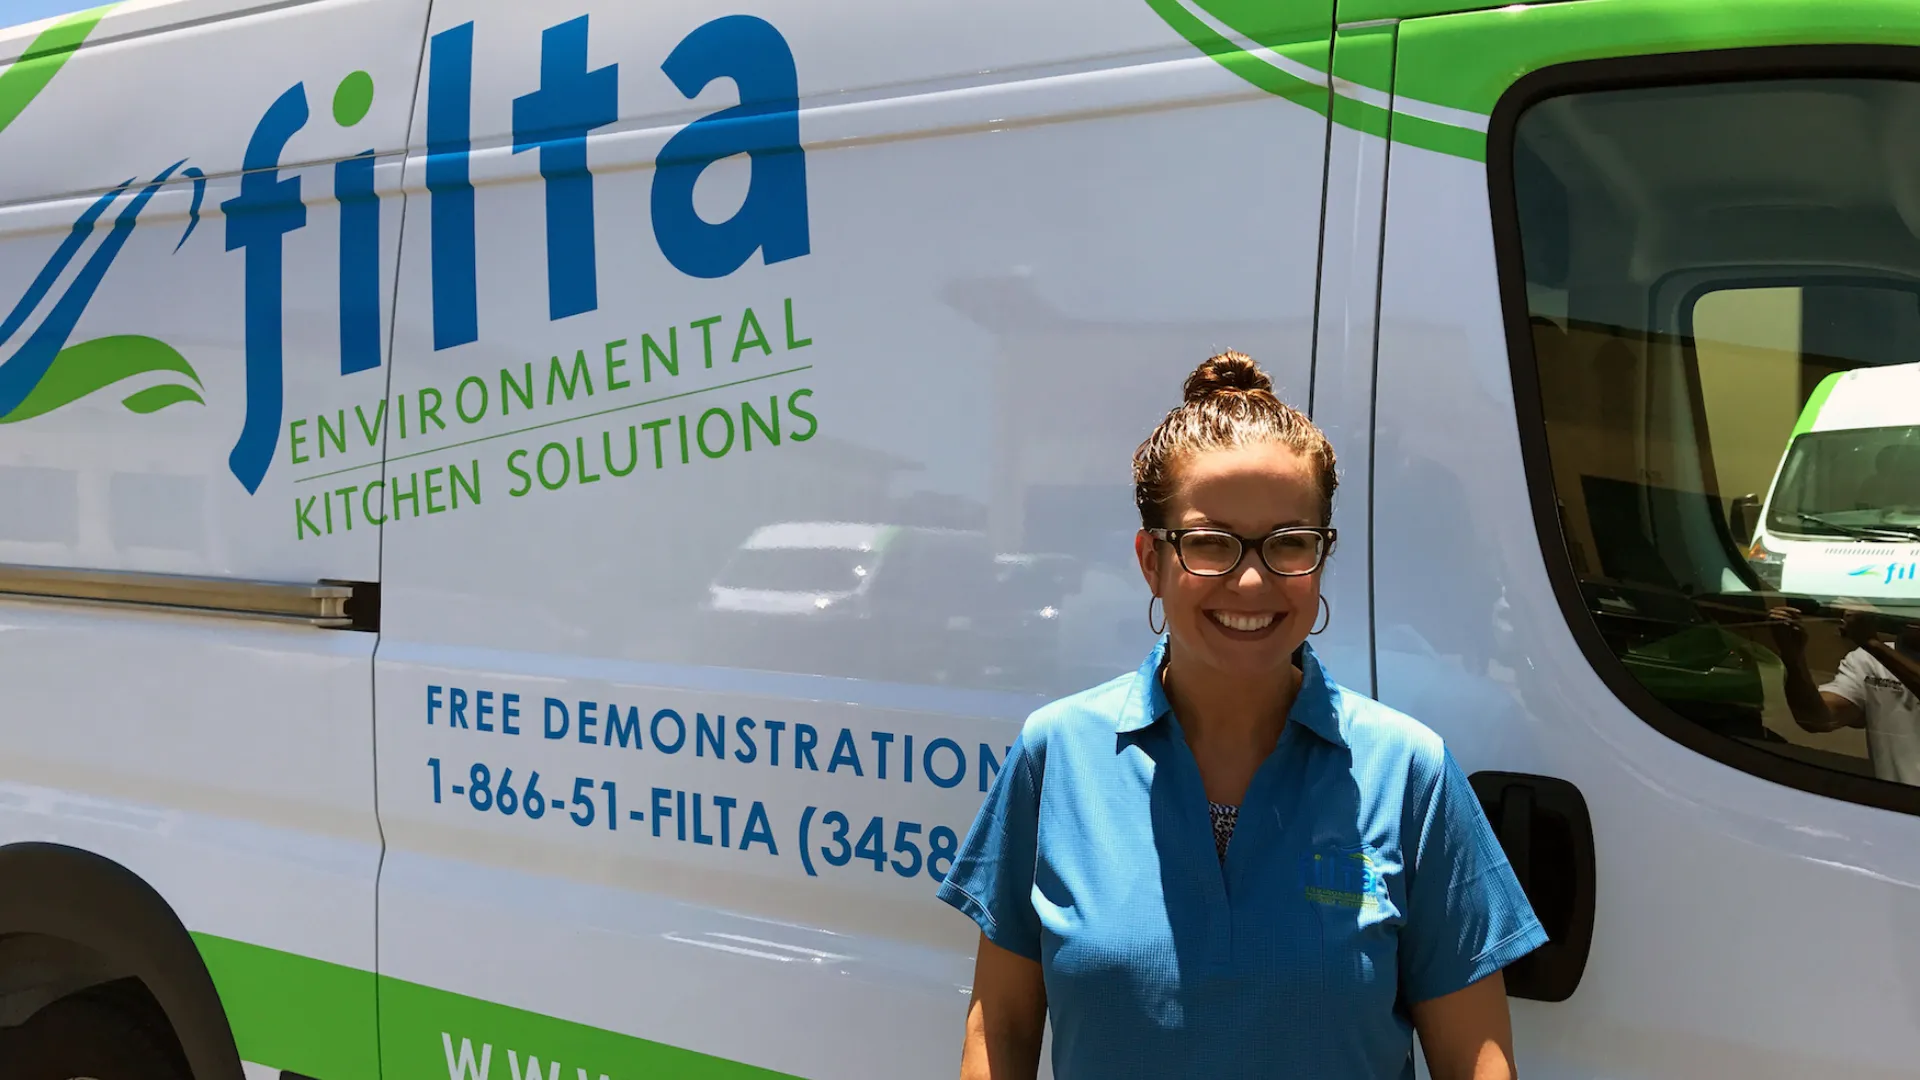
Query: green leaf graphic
pixel 79 370
pixel 44 58
pixel 155 398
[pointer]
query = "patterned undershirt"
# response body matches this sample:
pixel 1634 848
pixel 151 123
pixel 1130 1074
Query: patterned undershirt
pixel 1224 818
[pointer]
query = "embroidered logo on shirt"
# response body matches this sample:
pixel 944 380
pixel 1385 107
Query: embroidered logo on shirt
pixel 1342 879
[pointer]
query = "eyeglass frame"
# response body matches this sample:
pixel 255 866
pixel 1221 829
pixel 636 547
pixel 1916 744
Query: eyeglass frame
pixel 1328 536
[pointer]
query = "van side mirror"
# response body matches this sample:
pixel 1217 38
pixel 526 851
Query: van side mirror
pixel 1743 519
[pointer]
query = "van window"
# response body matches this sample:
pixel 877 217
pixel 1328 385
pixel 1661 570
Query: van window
pixel 1722 294
pixel 1837 482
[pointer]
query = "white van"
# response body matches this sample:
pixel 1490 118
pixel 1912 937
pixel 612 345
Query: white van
pixel 1843 515
pixel 429 431
pixel 859 600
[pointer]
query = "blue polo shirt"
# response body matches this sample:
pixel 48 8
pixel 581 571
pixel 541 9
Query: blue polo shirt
pixel 1361 876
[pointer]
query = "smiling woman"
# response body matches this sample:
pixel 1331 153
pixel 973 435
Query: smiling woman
pixel 1235 470
pixel 1357 893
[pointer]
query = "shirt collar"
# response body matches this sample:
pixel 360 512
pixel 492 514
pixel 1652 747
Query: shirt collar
pixel 1316 707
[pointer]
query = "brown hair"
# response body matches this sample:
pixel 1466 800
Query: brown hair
pixel 1229 402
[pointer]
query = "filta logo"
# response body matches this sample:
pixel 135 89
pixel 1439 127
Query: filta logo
pixel 1889 573
pixel 1341 878
pixel 551 120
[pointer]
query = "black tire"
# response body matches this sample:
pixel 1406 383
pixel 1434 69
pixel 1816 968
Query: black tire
pixel 96 1036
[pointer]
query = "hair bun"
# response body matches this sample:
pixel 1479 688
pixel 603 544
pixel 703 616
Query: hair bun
pixel 1228 373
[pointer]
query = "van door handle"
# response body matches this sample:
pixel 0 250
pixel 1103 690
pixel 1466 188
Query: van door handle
pixel 1547 834
pixel 1515 830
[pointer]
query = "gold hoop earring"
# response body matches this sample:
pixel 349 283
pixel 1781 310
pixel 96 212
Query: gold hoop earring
pixel 1162 628
pixel 1326 620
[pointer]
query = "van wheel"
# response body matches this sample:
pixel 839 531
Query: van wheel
pixel 95 1036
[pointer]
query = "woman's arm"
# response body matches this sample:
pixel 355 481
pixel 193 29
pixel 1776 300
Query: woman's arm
pixel 1006 1018
pixel 1467 1035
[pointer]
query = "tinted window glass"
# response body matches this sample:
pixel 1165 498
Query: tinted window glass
pixel 1724 289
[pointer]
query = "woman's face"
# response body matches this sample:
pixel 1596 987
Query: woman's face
pixel 1249 622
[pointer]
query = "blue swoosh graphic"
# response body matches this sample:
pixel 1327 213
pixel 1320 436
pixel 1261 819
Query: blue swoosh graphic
pixel 24 370
pixel 58 262
pixel 193 212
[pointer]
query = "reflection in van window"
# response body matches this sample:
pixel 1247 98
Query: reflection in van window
pixel 1723 287
pixel 55 496
pixel 1848 483
pixel 797 569
pixel 157 510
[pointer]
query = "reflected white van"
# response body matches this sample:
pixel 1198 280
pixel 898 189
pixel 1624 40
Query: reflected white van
pixel 1843 515
pixel 892 602
pixel 799 568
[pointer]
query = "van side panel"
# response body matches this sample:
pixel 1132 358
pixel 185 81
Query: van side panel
pixel 171 346
pixel 770 381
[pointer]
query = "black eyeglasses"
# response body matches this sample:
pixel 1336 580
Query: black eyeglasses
pixel 1290 552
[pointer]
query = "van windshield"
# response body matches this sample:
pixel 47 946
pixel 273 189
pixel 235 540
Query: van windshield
pixel 1836 483
pixel 798 569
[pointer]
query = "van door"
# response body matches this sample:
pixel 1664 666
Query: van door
pixel 1626 243
pixel 197 248
pixel 1349 301
pixel 767 383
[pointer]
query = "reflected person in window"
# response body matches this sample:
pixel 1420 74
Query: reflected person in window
pixel 1225 864
pixel 1895 482
pixel 1877 687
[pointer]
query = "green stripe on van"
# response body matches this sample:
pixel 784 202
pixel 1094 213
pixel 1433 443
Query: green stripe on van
pixel 1363 57
pixel 1311 53
pixel 1456 64
pixel 294 1012
pixel 44 58
pixel 427 1032
pixel 1811 412
pixel 1468 61
pixel 333 1022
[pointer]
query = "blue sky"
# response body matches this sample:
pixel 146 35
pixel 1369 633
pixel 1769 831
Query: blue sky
pixel 15 12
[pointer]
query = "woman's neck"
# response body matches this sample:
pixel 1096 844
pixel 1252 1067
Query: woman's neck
pixel 1236 715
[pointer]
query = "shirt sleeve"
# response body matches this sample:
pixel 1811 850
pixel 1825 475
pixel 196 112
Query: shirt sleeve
pixel 1850 681
pixel 1467 916
pixel 992 876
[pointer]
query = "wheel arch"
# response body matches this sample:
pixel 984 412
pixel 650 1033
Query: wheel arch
pixel 107 922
